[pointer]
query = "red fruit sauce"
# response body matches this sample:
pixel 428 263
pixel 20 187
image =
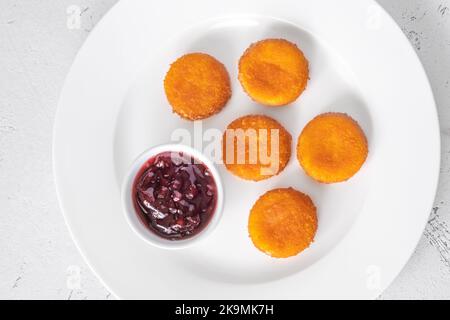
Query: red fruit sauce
pixel 175 195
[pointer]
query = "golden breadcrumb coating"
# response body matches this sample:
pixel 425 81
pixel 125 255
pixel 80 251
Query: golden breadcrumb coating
pixel 332 147
pixel 197 86
pixel 283 222
pixel 273 72
pixel 253 171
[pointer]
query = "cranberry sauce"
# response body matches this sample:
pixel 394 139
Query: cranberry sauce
pixel 175 195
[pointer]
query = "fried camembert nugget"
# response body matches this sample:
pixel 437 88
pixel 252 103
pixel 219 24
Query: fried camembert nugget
pixel 273 72
pixel 197 86
pixel 332 147
pixel 282 222
pixel 256 147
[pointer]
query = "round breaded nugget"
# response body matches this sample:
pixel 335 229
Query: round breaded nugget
pixel 197 86
pixel 282 222
pixel 256 147
pixel 332 147
pixel 273 72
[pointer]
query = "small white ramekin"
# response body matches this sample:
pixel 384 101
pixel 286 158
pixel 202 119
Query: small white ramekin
pixel 135 221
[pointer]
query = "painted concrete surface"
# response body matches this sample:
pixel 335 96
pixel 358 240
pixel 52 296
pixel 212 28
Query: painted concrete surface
pixel 38 42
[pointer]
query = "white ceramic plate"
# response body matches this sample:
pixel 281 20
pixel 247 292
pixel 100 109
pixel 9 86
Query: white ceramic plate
pixel 113 107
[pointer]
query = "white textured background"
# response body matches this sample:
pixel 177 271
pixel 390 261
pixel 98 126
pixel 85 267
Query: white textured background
pixel 38 259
